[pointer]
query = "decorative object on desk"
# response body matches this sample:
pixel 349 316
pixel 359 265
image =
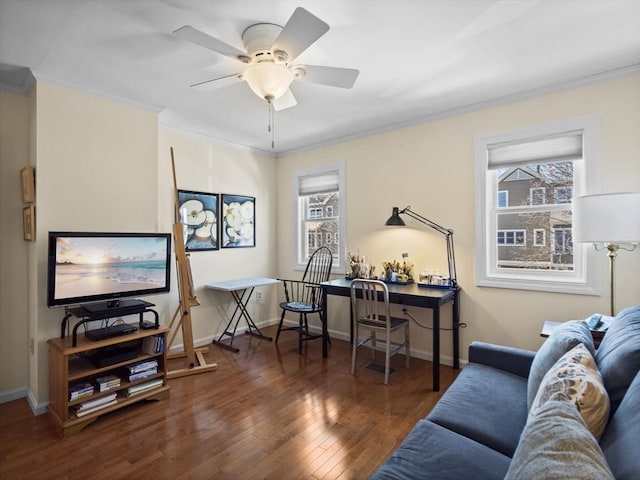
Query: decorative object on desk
pixel 433 279
pixel 610 221
pixel 238 221
pixel 395 220
pixel 359 268
pixel 199 218
pixel 27 180
pixel 397 272
pixel 29 223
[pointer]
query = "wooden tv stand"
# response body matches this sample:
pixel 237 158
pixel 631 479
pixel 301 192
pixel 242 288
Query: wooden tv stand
pixel 69 364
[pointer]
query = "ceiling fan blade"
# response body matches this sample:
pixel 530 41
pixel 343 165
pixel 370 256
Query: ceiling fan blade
pixel 285 101
pixel 194 35
pixel 216 83
pixel 302 29
pixel 335 77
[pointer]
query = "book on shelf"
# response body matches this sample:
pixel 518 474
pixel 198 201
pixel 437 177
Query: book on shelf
pixel 87 411
pixel 80 390
pixel 91 406
pixel 144 387
pixel 134 377
pixel 107 382
pixel 141 366
pixel 152 345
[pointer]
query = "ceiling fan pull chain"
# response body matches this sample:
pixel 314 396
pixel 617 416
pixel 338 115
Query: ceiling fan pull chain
pixel 272 124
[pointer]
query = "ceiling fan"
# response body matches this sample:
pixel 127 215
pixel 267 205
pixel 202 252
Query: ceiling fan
pixel 269 51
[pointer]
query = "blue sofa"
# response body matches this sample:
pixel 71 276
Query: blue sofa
pixel 483 426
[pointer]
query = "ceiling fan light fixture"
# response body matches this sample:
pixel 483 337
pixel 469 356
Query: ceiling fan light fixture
pixel 268 80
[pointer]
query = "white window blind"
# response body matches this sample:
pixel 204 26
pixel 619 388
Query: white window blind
pixel 563 147
pixel 325 182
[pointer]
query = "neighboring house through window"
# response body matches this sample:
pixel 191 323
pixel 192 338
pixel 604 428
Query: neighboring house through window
pixel 320 217
pixel 514 214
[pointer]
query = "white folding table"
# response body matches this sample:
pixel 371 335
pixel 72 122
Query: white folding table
pixel 241 291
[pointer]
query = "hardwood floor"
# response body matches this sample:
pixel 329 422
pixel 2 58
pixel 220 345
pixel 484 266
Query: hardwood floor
pixel 266 413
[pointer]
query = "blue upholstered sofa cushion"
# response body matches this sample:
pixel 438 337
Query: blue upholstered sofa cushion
pixel 620 439
pixel 618 356
pixel 431 451
pixel 562 339
pixel 487 405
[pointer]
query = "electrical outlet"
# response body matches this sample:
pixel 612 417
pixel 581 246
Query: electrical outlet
pixel 258 296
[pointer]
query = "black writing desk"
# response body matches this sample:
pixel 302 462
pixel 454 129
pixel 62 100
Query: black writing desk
pixel 410 295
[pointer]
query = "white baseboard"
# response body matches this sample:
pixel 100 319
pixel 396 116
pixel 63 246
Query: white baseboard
pixel 421 354
pixel 13 395
pixel 24 392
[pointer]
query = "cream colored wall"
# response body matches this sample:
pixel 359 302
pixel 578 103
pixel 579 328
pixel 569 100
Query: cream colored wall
pixel 204 166
pixel 14 321
pixel 102 165
pixel 430 166
pixel 97 171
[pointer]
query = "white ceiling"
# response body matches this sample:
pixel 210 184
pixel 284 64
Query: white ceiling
pixel 417 59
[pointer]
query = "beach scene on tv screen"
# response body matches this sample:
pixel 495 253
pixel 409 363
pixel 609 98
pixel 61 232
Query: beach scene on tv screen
pixel 108 265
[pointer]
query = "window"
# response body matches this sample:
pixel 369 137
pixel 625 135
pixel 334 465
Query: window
pixel 319 219
pixel 563 194
pixel 503 199
pixel 521 166
pixel 315 212
pixel 537 195
pixel 512 238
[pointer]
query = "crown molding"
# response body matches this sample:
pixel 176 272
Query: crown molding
pixel 209 138
pixel 74 85
pixel 474 107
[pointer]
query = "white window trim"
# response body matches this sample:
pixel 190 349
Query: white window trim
pixel 537 189
pixel 337 266
pixel 586 278
pixel 535 237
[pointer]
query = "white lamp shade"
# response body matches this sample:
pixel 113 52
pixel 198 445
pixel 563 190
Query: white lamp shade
pixel 268 80
pixel 607 218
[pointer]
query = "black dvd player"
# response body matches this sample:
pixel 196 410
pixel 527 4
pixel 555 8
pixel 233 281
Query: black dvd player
pixel 108 332
pixel 110 356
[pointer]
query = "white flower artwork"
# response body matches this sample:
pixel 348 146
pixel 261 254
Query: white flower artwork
pixel 199 217
pixel 238 222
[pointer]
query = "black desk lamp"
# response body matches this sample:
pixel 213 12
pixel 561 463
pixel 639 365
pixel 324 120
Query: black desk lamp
pixel 396 221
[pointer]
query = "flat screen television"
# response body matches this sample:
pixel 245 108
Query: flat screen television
pixel 87 267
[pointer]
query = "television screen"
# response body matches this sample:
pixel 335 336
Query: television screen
pixel 86 267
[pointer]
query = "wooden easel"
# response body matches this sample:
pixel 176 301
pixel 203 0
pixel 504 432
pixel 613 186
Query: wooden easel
pixel 187 299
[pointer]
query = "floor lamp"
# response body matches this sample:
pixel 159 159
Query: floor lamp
pixel 610 221
pixel 395 221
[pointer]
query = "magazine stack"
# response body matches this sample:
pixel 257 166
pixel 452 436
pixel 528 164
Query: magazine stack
pixel 142 370
pixel 80 390
pixel 144 387
pixel 91 406
pixel 107 382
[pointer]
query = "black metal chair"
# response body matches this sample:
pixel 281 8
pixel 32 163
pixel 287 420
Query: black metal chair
pixel 370 311
pixel 304 297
